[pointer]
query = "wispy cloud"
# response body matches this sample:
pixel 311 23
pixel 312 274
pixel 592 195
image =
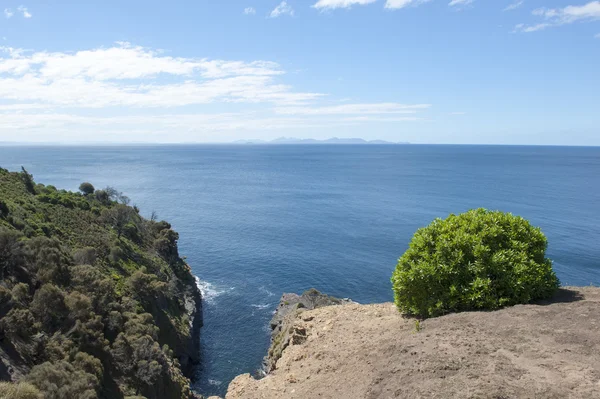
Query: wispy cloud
pixel 8 13
pixel 531 28
pixel 127 91
pixel 127 75
pixel 26 13
pixel 282 9
pixel 249 11
pixel 460 3
pixel 514 5
pixel 355 109
pixel 562 16
pixel 597 36
pixel 397 4
pixel 333 4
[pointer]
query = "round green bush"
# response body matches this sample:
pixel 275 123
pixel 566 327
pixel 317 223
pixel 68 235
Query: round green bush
pixel 479 260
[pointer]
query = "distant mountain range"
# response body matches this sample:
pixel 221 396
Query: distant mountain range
pixel 333 140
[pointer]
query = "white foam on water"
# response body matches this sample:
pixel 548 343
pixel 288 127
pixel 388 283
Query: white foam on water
pixel 266 291
pixel 209 291
pixel 264 306
pixel 215 382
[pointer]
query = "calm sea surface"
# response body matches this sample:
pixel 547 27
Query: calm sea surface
pixel 257 221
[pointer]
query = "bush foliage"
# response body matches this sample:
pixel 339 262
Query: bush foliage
pixel 479 260
pixel 88 299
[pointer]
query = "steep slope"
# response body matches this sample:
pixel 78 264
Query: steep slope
pixel 548 350
pixel 95 300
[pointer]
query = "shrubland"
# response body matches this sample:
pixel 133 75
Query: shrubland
pixel 92 296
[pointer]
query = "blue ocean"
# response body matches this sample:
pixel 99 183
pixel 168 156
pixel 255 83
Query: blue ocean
pixel 259 220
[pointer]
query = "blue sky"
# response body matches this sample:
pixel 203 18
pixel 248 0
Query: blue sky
pixel 436 71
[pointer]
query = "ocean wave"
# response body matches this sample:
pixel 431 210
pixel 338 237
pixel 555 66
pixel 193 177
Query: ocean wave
pixel 209 291
pixel 215 382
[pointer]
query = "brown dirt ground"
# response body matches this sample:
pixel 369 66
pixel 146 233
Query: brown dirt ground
pixel 549 350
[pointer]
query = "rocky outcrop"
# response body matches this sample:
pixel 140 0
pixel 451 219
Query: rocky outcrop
pixel 544 350
pixel 189 351
pixel 282 330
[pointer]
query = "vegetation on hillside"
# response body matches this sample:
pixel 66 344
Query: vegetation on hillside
pixel 91 296
pixel 479 260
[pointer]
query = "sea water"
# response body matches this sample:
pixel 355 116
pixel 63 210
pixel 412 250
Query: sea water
pixel 259 220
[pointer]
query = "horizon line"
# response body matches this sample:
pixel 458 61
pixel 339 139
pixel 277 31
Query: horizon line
pixel 268 143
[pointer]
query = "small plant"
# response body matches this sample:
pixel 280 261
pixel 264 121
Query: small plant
pixel 418 325
pixel 479 260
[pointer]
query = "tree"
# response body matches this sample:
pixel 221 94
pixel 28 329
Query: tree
pixel 102 196
pixel 166 244
pixel 20 294
pixel 20 390
pixel 85 256
pixel 79 306
pixel 48 306
pixel 12 254
pixel 145 286
pixel 474 261
pixel 19 323
pixel 28 180
pixel 49 260
pixel 117 217
pixel 60 380
pixel 87 188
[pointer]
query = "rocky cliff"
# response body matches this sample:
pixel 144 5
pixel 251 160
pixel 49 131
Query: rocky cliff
pixel 283 332
pixel 544 350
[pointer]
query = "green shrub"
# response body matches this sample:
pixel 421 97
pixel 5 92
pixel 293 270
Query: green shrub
pixel 48 306
pixel 21 390
pixel 87 188
pixel 85 256
pixel 61 380
pixel 479 260
pixel 19 323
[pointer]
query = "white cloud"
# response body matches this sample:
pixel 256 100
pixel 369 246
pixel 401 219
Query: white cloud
pixel 355 109
pixel 126 75
pixel 26 13
pixel 397 4
pixel 127 92
pixel 333 4
pixel 8 13
pixel 460 3
pixel 514 6
pixel 531 28
pixel 597 36
pixel 282 9
pixel 249 11
pixel 562 16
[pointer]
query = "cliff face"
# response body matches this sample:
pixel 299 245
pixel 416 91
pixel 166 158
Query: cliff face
pixel 546 350
pixel 95 300
pixel 283 331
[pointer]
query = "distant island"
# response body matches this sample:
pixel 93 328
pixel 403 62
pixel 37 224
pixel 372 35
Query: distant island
pixel 333 140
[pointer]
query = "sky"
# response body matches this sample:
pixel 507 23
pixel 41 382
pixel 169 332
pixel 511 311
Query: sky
pixel 422 71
